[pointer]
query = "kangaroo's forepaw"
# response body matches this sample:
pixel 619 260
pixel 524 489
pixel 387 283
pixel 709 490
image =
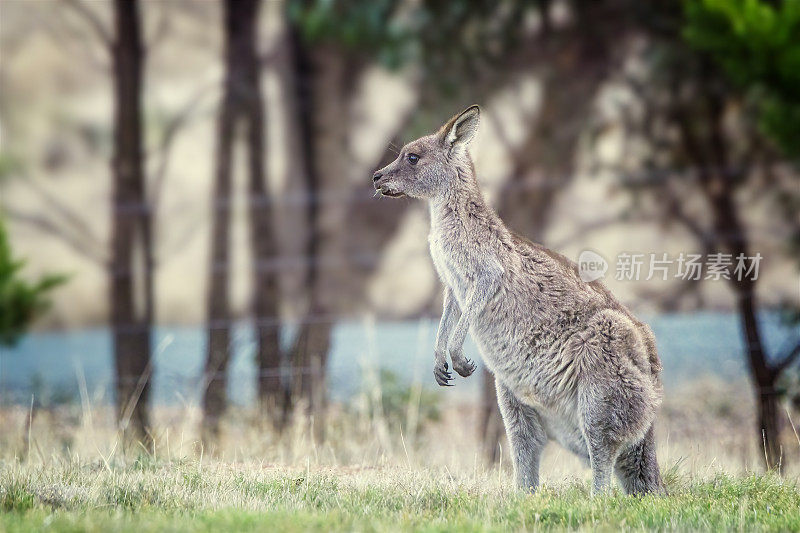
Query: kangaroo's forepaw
pixel 465 367
pixel 443 377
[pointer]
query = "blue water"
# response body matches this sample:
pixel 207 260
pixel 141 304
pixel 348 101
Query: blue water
pixel 53 364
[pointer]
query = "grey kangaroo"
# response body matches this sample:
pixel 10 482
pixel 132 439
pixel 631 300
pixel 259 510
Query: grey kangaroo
pixel 570 362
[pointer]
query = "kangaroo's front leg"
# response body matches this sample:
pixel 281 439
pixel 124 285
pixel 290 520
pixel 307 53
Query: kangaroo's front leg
pixel 450 315
pixel 486 284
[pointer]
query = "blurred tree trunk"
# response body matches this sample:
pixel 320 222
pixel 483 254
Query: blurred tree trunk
pixel 218 305
pixel 242 102
pixel 130 228
pixel 294 222
pixel 718 183
pixel 701 124
pixel 765 377
pixel 687 112
pixel 266 291
pixel 324 81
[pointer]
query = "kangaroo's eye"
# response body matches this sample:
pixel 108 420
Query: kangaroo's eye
pixel 413 158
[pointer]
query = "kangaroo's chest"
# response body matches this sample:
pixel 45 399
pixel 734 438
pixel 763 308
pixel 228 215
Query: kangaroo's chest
pixel 451 263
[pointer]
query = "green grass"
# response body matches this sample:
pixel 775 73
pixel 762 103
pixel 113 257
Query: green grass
pixel 150 495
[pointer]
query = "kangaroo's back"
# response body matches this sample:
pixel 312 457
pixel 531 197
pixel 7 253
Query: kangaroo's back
pixel 607 300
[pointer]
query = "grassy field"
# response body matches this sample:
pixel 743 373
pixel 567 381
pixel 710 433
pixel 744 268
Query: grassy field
pixel 153 495
pixel 383 466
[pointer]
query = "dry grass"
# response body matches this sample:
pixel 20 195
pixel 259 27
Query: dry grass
pixel 704 428
pixel 69 469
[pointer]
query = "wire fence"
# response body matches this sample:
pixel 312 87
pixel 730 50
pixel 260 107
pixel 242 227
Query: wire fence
pixel 178 372
pixel 346 260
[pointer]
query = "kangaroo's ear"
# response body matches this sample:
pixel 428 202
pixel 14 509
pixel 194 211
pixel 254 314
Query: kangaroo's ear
pixel 459 130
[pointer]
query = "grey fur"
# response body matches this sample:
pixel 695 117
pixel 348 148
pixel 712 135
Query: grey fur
pixel 571 363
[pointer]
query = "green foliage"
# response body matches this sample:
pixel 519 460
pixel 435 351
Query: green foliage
pixel 357 25
pixel 9 164
pixel 15 497
pixel 21 301
pixel 395 402
pixel 397 397
pixel 447 40
pixel 757 45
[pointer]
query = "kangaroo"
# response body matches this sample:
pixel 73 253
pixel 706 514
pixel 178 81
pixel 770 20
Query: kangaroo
pixel 571 363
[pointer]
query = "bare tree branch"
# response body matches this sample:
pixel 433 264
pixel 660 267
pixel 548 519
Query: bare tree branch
pixel 502 134
pixel 677 212
pixel 172 249
pixel 583 229
pixel 70 217
pixel 178 121
pixel 787 359
pixel 666 299
pixel 92 20
pixel 49 227
pixel 75 42
pixel 514 152
pixel 669 298
pixel 162 29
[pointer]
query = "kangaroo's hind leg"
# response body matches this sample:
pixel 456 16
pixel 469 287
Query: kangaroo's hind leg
pixel 637 467
pixel 602 456
pixel 526 436
pixel 617 397
pixel 611 420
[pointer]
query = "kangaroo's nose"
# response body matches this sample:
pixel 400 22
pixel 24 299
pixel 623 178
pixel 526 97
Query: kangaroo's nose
pixel 376 176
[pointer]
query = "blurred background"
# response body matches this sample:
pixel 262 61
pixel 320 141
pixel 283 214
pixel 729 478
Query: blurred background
pixel 190 244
